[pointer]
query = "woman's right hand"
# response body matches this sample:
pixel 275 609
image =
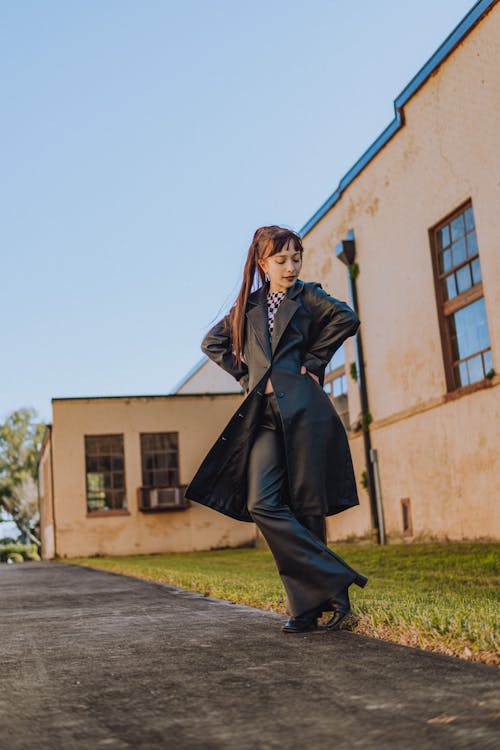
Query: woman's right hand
pixel 303 370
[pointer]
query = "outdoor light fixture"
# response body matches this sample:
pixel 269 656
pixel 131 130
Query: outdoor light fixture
pixel 346 251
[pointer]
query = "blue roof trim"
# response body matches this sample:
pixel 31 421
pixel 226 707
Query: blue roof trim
pixel 186 377
pixel 451 41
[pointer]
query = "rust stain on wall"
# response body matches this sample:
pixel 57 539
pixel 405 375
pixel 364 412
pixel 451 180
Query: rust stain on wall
pixel 411 150
pixel 326 267
pixel 368 204
pixel 372 207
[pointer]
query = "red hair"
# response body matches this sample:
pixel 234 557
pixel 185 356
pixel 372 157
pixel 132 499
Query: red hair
pixel 266 241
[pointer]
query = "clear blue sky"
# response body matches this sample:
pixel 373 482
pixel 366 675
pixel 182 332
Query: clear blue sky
pixel 142 145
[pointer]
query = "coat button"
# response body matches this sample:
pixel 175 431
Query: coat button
pixel 279 394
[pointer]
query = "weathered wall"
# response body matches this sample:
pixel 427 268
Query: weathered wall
pixel 198 419
pixel 439 453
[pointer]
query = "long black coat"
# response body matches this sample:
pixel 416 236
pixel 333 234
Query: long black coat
pixel 309 326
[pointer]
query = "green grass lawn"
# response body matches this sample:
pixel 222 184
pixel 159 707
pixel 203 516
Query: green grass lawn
pixel 441 597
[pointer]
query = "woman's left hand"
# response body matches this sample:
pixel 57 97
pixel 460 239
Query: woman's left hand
pixel 303 370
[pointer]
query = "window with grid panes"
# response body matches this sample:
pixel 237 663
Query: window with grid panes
pixel 160 459
pixel 335 385
pixel 459 289
pixel 105 472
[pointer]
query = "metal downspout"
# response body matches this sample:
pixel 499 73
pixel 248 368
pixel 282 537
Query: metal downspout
pixel 346 253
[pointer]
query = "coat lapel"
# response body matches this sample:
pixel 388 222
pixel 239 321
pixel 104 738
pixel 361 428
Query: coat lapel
pixel 257 315
pixel 284 312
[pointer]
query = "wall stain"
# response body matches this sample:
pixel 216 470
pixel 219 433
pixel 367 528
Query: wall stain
pixel 326 267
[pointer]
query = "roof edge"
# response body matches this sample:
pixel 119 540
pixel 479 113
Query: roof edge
pixel 145 395
pixel 461 30
pixel 189 375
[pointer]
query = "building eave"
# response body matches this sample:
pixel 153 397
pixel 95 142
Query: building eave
pixel 453 39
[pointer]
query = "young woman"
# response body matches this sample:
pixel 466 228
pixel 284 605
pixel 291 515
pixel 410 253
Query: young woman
pixel 283 460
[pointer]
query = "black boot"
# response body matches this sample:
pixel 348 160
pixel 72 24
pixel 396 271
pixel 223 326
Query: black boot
pixel 302 623
pixel 341 610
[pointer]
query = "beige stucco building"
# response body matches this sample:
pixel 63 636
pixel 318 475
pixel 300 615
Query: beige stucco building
pixel 422 205
pixel 102 459
pixel 420 209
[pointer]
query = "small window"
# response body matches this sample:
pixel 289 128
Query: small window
pixel 160 459
pixel 105 472
pixel 459 292
pixel 406 517
pixel 335 385
pixel 160 489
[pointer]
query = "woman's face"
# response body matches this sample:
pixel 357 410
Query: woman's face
pixel 283 267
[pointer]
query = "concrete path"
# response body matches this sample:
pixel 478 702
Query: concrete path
pixel 95 660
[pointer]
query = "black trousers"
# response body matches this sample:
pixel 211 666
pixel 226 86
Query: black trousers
pixel 311 573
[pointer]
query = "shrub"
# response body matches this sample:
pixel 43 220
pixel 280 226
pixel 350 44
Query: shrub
pixel 32 554
pixel 15 557
pixel 26 551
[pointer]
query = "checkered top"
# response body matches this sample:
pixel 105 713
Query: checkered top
pixel 273 302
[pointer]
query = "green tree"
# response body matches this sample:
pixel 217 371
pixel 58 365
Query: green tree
pixel 20 442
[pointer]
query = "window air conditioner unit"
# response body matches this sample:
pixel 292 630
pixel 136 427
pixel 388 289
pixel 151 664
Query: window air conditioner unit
pixel 166 496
